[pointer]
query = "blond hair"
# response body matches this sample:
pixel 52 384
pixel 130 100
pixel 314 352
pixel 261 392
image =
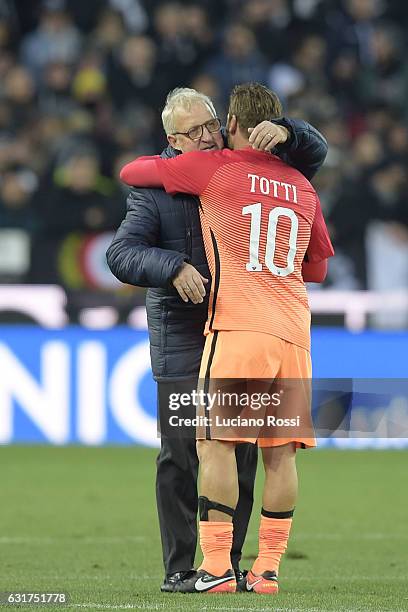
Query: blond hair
pixel 185 98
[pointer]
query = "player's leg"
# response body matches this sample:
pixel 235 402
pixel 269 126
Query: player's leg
pixel 279 445
pixel 176 492
pixel 281 481
pixel 217 503
pixel 278 503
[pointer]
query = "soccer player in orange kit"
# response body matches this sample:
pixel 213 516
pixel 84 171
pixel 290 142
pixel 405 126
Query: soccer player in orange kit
pixel 262 226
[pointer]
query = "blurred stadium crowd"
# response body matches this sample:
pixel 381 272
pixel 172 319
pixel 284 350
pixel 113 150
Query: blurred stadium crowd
pixel 82 83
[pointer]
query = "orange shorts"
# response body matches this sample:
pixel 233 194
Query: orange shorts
pixel 255 387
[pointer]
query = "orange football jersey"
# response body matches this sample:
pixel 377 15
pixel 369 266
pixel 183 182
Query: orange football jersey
pixel 260 218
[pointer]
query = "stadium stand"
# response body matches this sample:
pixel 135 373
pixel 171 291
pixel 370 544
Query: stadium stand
pixel 83 83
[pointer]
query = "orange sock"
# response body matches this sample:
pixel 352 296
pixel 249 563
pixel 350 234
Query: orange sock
pixel 273 541
pixel 216 542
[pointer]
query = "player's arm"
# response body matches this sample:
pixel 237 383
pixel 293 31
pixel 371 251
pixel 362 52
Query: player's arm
pixel 314 272
pixel 141 172
pixel 304 148
pixel 320 248
pixel 187 173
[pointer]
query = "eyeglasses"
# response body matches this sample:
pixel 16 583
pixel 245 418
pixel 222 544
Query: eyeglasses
pixel 196 132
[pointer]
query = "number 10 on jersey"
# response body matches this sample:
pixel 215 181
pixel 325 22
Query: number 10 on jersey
pixel 254 265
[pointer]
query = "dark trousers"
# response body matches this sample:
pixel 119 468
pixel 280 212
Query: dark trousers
pixel 176 489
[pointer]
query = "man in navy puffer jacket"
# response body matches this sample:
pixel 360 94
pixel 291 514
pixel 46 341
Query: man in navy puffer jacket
pixel 160 243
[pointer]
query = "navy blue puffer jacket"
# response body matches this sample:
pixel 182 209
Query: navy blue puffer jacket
pixel 159 233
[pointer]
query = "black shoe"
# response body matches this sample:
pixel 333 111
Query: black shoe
pixel 240 576
pixel 203 582
pixel 170 580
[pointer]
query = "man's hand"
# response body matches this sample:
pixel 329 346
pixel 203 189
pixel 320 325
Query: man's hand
pixel 266 135
pixel 190 284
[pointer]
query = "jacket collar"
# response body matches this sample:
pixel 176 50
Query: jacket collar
pixel 169 152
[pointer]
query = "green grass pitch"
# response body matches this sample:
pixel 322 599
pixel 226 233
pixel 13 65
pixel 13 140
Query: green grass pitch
pixel 83 520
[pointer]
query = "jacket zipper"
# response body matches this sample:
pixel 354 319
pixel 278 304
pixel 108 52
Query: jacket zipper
pixel 189 245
